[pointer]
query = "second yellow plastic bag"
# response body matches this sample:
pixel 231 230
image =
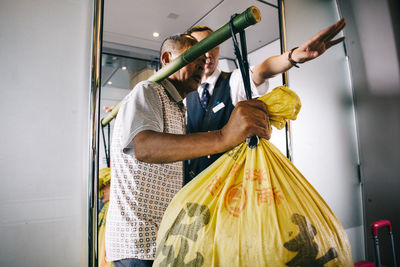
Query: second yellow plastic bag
pixel 252 207
pixel 104 181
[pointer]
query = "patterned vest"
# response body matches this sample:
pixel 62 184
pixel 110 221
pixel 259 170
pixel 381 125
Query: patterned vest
pixel 143 191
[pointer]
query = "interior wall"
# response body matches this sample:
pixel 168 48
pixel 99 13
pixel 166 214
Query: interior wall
pixel 374 50
pixel 44 103
pixel 258 56
pixel 324 136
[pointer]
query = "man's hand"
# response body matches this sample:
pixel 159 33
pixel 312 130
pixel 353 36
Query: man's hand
pixel 314 47
pixel 109 109
pixel 319 43
pixel 249 118
pixel 106 193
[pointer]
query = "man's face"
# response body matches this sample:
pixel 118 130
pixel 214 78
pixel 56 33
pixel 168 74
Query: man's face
pixel 190 75
pixel 211 56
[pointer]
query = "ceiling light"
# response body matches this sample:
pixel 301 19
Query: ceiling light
pixel 156 34
pixel 109 82
pixel 123 67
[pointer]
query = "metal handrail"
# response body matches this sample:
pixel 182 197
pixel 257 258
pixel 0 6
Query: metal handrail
pixel 95 83
pixel 285 76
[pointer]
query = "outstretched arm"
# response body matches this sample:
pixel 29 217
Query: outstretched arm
pixel 249 118
pixel 312 48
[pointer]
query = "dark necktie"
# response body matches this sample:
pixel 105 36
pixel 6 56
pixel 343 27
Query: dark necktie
pixel 205 96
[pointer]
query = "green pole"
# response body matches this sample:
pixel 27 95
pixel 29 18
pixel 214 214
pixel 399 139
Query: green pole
pixel 249 17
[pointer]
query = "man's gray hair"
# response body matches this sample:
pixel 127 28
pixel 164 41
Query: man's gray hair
pixel 176 43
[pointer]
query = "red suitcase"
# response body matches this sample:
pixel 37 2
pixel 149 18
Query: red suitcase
pixel 374 228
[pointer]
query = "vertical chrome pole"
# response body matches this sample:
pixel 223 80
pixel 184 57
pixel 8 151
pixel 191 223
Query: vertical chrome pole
pixel 285 76
pixel 97 37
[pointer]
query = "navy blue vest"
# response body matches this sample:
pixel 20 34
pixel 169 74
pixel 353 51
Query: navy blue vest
pixel 198 120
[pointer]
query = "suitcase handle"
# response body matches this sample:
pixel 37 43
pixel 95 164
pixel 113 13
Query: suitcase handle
pixel 374 228
pixel 378 224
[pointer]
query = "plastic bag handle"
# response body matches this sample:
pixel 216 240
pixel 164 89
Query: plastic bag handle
pixel 253 141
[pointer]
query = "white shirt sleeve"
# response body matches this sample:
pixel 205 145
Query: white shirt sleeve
pixel 140 111
pixel 237 87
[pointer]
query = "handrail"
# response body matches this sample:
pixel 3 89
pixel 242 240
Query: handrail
pixel 95 73
pixel 285 76
pixel 248 17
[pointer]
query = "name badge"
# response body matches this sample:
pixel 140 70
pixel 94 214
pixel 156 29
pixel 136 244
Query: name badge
pixel 218 107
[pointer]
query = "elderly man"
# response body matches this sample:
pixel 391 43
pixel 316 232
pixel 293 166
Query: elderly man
pixel 147 150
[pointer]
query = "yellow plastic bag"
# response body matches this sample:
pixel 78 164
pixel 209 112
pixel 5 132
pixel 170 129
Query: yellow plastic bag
pixel 104 180
pixel 252 207
pixel 283 105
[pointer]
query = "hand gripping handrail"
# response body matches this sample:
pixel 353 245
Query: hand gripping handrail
pixel 247 18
